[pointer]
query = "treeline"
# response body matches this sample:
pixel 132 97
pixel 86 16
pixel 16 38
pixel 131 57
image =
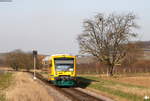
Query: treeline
pixel 19 59
pixel 2 59
pixel 140 66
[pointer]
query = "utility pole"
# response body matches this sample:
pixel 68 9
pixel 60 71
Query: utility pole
pixel 34 61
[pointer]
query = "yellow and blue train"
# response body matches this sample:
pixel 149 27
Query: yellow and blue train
pixel 62 69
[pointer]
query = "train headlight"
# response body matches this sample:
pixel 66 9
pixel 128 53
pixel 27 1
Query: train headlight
pixel 71 69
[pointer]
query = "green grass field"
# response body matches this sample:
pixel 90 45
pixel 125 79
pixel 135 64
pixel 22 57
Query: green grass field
pixel 120 91
pixel 5 81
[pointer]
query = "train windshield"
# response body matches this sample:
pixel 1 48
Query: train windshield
pixel 64 64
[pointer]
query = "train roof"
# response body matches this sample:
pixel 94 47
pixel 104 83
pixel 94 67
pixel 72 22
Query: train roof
pixel 47 58
pixel 60 54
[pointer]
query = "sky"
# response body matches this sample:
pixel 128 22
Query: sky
pixel 52 26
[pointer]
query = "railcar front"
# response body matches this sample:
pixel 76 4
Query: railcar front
pixel 63 70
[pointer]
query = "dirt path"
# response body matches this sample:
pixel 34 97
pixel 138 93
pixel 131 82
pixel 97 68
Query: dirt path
pixel 25 88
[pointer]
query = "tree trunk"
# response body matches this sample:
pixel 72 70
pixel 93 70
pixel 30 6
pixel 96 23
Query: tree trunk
pixel 110 70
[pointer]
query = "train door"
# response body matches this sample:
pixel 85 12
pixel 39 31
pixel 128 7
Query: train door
pixel 50 70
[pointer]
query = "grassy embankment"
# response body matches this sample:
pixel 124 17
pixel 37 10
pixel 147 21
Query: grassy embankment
pixel 5 81
pixel 127 87
pixel 119 88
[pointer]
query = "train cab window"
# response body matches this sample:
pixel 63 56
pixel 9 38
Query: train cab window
pixel 64 64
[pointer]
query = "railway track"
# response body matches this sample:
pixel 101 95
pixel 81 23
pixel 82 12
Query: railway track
pixel 77 95
pixel 72 93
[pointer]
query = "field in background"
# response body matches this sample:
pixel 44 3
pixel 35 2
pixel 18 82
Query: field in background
pixel 120 88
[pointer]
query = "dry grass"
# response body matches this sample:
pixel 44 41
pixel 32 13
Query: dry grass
pixel 6 68
pixel 138 80
pixel 5 82
pixel 107 95
pixel 120 88
pixel 132 90
pixel 143 81
pixel 26 89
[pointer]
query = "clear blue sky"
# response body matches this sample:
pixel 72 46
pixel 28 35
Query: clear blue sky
pixel 52 26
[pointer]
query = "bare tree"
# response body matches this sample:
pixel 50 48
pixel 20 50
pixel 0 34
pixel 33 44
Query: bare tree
pixel 21 60
pixel 135 53
pixel 107 38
